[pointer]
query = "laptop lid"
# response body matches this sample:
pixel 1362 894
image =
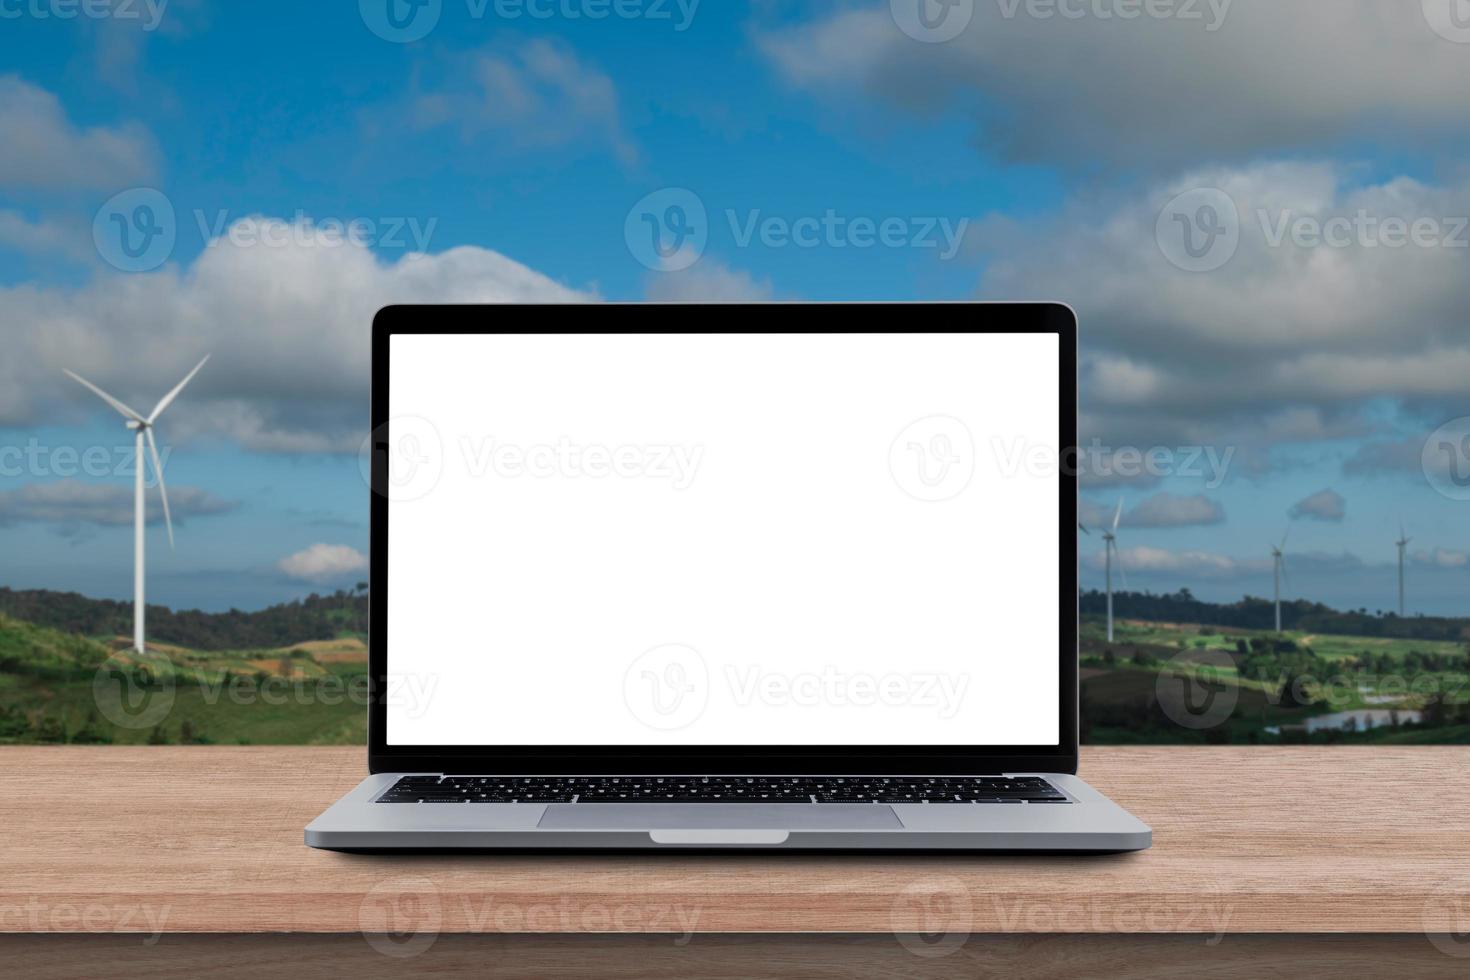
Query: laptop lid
pixel 723 539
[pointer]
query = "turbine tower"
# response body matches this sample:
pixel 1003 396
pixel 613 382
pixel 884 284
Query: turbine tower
pixel 1402 543
pixel 1110 546
pixel 143 432
pixel 1278 560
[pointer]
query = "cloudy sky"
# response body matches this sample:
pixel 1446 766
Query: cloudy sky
pixel 1258 208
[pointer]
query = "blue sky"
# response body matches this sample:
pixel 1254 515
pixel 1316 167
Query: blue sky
pixel 1041 152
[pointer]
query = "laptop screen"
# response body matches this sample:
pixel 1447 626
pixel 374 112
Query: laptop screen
pixel 723 539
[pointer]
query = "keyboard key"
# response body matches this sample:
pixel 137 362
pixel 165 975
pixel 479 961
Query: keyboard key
pixel 900 790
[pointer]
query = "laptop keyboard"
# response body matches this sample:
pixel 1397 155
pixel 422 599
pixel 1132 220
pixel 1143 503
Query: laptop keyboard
pixel 722 789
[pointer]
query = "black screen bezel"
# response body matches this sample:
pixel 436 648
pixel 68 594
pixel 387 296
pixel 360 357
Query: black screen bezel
pixel 634 318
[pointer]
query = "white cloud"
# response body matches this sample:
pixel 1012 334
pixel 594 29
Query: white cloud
pixel 1173 510
pixel 1387 456
pixel 323 562
pixel 539 95
pixel 70 503
pixel 288 326
pixel 43 149
pixel 709 281
pixel 1442 558
pixel 1324 505
pixel 1080 90
pixel 1283 343
pixel 46 236
pixel 1146 560
pixel 1175 566
pixel 1093 515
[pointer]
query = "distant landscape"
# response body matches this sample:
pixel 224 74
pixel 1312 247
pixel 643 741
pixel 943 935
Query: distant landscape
pixel 291 674
pixel 1178 671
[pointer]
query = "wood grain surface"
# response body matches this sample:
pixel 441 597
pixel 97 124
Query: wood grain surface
pixel 1268 840
pixel 825 957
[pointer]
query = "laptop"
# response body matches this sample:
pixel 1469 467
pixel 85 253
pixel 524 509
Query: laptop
pixel 784 576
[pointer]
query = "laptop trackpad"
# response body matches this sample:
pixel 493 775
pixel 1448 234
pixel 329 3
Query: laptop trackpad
pixel 719 816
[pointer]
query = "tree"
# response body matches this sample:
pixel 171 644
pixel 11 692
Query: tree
pixel 1433 713
pixel 1293 688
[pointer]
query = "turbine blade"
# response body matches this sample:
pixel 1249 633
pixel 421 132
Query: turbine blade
pixel 168 520
pixel 1285 536
pixel 1117 515
pixel 1083 528
pixel 1285 580
pixel 167 399
pixel 128 412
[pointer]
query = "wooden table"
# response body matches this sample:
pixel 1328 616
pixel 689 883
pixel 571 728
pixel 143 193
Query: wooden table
pixel 163 861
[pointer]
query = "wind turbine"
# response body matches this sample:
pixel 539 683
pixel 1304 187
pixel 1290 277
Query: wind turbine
pixel 143 432
pixel 1278 560
pixel 1402 543
pixel 1110 545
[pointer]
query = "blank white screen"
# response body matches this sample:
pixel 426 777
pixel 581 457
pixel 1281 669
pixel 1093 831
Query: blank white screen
pixel 723 539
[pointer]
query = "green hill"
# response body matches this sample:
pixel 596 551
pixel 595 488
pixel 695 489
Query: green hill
pixel 59 687
pixel 1292 687
pixel 316 617
pixel 1252 613
pixel 41 651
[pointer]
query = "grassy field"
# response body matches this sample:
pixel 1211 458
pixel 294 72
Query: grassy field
pixel 1191 636
pixel 1153 684
pixel 1291 687
pixel 57 687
